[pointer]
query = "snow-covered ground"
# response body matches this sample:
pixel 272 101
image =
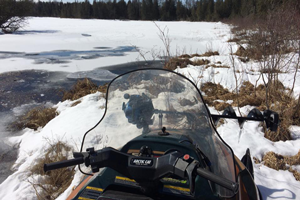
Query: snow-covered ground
pixel 33 47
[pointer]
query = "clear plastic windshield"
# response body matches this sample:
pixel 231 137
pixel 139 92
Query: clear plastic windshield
pixel 144 101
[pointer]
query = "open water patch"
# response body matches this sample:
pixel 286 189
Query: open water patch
pixel 102 47
pixel 65 56
pixel 23 32
pixel 23 87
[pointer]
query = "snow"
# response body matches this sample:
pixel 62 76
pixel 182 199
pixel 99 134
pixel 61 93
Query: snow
pixel 44 35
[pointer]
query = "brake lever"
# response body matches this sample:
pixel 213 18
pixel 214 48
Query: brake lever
pixel 190 174
pixel 186 167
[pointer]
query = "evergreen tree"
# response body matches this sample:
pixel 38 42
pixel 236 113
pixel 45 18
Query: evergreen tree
pixel 210 10
pixel 227 8
pixel 236 7
pixel 180 11
pixel 112 9
pixel 96 11
pixel 155 10
pixel 248 7
pixel 85 10
pixel 133 10
pixel 168 10
pixel 122 9
pixel 147 10
pixel 130 11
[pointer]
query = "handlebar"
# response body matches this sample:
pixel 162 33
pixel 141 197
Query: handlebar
pixel 228 184
pixel 62 164
pixel 144 169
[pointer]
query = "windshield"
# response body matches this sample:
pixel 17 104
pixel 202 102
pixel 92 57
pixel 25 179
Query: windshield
pixel 144 101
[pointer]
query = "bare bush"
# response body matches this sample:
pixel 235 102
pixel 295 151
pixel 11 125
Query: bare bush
pixel 273 42
pixel 165 38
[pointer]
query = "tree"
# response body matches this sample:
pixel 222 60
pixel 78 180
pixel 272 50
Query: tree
pixel 133 10
pixel 168 10
pixel 180 11
pixel 236 7
pixel 13 14
pixel 155 11
pixel 146 12
pixel 86 10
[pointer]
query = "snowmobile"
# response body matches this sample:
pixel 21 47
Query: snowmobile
pixel 158 140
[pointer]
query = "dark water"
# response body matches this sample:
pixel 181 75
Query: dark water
pixel 64 56
pixel 21 91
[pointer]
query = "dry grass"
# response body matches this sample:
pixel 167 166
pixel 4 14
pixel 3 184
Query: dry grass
pixel 83 88
pixel 173 63
pixel 248 95
pixel 235 39
pixel 206 54
pixel 198 62
pixel 53 182
pixel 195 55
pixel 75 103
pixel 185 56
pixel 244 60
pixel 274 161
pixel 296 174
pixel 220 122
pixel 241 51
pixel 279 162
pixel 210 53
pixel 216 91
pixel 184 60
pixel 35 118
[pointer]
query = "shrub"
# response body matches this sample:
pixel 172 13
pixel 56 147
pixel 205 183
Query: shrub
pixel 13 14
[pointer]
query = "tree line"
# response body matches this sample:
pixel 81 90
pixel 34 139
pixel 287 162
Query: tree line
pixel 13 12
pixel 165 10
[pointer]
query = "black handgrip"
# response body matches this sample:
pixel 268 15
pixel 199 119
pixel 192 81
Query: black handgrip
pixel 228 184
pixel 62 164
